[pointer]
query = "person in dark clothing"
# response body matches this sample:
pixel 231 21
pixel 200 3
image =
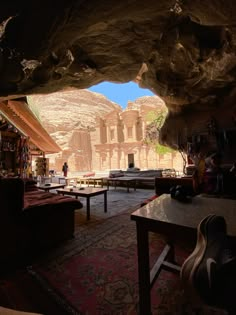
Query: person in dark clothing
pixel 65 169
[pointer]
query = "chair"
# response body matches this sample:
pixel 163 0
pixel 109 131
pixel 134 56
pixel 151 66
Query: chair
pixel 209 273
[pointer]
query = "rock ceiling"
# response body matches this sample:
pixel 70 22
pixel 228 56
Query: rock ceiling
pixel 184 51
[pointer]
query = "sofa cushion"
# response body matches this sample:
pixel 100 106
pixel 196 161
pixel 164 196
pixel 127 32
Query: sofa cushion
pixel 145 173
pixel 89 174
pixel 132 173
pixel 30 184
pixel 38 198
pixel 114 174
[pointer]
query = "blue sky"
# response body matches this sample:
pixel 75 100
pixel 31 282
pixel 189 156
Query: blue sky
pixel 121 93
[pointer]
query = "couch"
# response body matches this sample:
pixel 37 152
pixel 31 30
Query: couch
pixel 32 220
pixel 144 179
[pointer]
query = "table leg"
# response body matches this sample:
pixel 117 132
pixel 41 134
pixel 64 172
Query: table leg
pixel 171 254
pixel 135 185
pixel 88 207
pixel 143 270
pixel 105 201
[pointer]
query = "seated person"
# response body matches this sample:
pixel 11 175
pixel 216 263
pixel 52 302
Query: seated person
pixel 132 167
pixel 214 175
pixel 198 175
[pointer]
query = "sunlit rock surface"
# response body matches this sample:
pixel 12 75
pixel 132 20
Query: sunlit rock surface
pixel 72 119
pixel 65 113
pixel 184 51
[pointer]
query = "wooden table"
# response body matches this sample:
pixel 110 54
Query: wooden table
pixel 87 193
pixel 47 187
pixel 124 179
pixel 45 179
pixel 175 220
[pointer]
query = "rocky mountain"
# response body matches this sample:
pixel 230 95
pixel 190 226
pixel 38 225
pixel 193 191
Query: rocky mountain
pixel 63 113
pixel 153 102
pixel 70 115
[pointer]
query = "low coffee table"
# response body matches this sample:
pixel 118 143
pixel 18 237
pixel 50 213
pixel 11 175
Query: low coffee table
pixel 87 193
pixel 128 181
pixel 67 180
pixel 47 187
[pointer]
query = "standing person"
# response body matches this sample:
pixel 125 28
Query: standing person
pixel 65 169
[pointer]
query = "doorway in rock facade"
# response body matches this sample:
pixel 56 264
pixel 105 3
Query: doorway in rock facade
pixel 130 159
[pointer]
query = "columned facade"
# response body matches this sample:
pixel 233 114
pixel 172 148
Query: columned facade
pixel 119 134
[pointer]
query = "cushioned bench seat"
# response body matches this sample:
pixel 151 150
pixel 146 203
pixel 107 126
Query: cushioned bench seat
pixel 143 179
pixel 32 220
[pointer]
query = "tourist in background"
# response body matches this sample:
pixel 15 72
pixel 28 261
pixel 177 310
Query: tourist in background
pixel 65 169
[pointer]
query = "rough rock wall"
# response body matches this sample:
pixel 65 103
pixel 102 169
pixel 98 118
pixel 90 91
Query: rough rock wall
pixel 64 112
pixel 69 117
pixel 183 50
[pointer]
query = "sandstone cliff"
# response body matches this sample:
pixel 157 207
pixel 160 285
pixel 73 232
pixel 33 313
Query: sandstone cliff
pixel 70 116
pixel 63 113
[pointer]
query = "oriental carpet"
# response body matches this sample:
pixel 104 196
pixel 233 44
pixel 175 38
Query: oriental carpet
pixel 97 272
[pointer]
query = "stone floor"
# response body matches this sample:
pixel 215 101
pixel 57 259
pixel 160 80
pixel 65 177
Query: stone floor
pixel 118 200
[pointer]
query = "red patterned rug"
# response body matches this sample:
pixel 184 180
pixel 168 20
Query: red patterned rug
pixel 97 273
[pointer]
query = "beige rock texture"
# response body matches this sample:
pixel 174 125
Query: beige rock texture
pixel 62 113
pixel 97 134
pixel 184 51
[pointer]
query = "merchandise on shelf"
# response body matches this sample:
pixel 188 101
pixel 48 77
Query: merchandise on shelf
pixel 42 166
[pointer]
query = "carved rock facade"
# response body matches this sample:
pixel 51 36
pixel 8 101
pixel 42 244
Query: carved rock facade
pixel 119 135
pixel 96 134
